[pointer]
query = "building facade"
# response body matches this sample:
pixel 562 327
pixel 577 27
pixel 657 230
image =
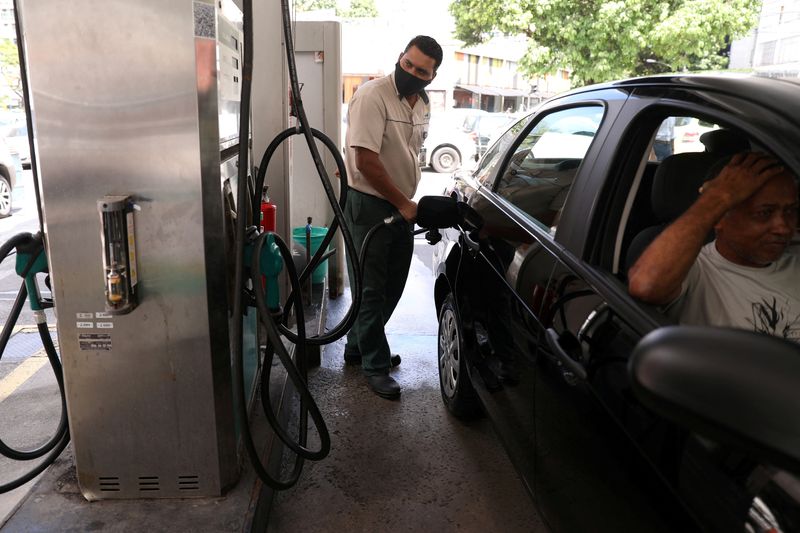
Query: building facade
pixel 773 48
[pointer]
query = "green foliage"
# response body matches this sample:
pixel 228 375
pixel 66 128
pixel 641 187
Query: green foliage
pixel 9 68
pixel 360 9
pixel 603 40
pixel 357 9
pixel 314 5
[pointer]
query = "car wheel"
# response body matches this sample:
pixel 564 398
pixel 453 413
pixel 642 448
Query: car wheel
pixel 457 392
pixel 5 197
pixel 445 159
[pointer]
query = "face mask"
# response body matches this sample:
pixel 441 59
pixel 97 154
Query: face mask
pixel 408 84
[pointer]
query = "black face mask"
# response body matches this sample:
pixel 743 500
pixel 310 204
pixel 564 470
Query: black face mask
pixel 408 84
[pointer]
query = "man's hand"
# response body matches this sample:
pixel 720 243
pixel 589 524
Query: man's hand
pixel 741 178
pixel 409 211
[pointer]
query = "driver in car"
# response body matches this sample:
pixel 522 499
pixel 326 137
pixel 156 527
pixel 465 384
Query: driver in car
pixel 749 276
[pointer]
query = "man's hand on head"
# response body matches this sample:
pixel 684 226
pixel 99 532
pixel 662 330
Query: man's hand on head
pixel 741 178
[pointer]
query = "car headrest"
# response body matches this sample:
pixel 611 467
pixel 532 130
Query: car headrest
pixel 676 183
pixel 724 142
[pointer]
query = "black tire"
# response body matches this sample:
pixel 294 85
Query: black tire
pixel 445 160
pixel 5 197
pixel 457 392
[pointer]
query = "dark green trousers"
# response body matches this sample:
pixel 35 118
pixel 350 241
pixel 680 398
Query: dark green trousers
pixel 386 266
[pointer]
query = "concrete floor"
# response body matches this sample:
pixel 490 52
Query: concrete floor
pixel 404 465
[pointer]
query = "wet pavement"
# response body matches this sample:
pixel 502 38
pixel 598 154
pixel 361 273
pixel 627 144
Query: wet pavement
pixel 404 465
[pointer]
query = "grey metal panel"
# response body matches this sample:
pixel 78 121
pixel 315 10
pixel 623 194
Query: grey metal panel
pixel 125 102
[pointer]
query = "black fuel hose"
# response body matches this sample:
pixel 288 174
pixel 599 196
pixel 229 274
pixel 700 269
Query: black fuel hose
pixel 310 134
pixel 346 323
pixel 53 447
pixel 277 346
pixel 296 370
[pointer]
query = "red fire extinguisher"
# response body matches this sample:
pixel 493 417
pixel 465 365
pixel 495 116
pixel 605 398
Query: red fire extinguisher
pixel 268 213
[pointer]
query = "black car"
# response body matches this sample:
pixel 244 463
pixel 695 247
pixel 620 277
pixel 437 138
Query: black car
pixel 616 418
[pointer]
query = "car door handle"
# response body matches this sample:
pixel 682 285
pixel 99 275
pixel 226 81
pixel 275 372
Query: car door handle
pixel 570 364
pixel 472 244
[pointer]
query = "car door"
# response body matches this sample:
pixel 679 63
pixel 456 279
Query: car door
pixel 593 436
pixel 502 282
pixel 521 217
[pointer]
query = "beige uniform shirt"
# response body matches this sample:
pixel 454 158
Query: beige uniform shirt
pixel 380 120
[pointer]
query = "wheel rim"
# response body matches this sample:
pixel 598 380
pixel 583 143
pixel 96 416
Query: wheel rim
pixel 5 197
pixel 446 160
pixel 449 353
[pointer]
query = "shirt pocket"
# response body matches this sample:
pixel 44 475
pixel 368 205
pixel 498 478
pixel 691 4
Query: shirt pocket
pixel 420 131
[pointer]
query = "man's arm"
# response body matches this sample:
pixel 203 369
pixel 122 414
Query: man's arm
pixel 657 275
pixel 371 167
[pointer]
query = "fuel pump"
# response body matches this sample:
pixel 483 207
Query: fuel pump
pixel 200 332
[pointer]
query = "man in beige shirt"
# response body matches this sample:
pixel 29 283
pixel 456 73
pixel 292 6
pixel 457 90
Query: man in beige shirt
pixel 387 121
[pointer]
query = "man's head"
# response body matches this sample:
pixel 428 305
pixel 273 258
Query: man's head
pixel 757 231
pixel 416 66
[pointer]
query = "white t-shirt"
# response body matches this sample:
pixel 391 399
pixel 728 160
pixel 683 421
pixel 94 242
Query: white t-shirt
pixel 717 292
pixel 381 120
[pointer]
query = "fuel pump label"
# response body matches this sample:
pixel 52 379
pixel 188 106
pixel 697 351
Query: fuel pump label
pixel 91 342
pixel 84 316
pixel 85 325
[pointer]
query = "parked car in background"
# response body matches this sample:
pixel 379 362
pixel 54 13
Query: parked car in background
pixel 17 141
pixel 616 418
pixel 16 137
pixel 687 134
pixel 447 146
pixel 481 128
pixel 8 178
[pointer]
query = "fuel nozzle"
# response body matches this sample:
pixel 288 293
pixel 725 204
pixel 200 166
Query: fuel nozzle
pixel 439 212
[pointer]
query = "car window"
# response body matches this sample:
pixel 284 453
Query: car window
pixel 683 150
pixel 540 172
pixel 491 122
pixel 492 158
pixel 678 135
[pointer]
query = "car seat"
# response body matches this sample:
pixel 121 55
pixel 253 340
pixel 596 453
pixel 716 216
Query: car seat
pixel 676 183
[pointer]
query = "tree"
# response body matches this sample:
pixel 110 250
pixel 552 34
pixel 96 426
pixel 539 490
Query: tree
pixel 314 5
pixel 357 8
pixel 9 67
pixel 603 40
pixel 360 9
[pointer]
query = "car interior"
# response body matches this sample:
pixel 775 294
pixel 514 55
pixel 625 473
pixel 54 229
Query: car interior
pixel 665 189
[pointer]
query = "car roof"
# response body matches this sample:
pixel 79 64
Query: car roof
pixel 780 94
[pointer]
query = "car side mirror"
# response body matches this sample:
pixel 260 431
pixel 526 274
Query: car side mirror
pixel 734 386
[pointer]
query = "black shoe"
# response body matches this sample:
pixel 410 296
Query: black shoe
pixel 384 386
pixel 355 359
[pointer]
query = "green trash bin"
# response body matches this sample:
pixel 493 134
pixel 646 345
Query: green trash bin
pixel 317 234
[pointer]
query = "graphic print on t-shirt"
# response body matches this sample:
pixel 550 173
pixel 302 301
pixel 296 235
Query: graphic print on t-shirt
pixel 769 318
